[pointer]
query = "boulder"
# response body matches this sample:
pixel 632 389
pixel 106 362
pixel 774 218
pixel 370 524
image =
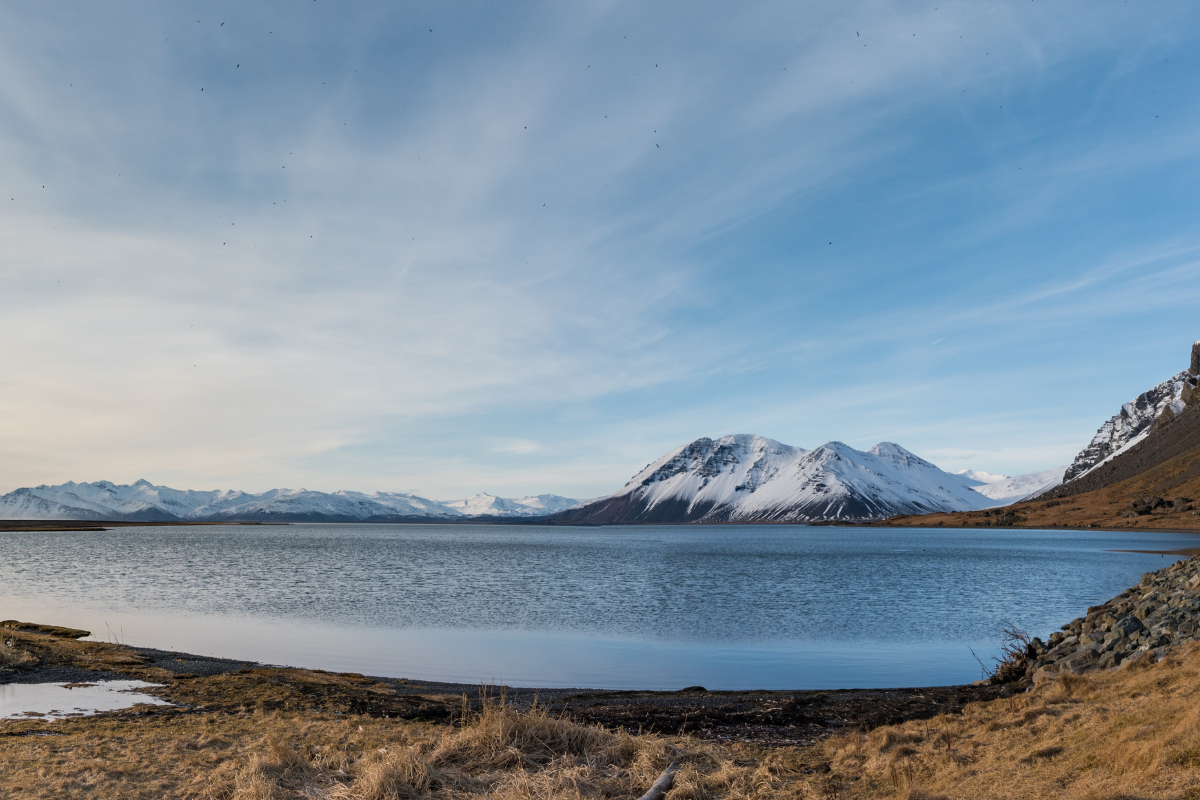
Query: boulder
pixel 1127 627
pixel 1135 657
pixel 1075 664
pixel 1048 672
pixel 1146 505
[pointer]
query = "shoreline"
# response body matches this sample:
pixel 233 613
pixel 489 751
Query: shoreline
pixel 196 684
pixel 53 526
pixel 1106 705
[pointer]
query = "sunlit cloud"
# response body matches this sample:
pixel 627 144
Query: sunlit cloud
pixel 536 247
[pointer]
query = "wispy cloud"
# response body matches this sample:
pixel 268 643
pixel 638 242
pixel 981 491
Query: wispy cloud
pixel 332 248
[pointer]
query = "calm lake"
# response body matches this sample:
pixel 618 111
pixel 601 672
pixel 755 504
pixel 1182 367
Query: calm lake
pixel 658 607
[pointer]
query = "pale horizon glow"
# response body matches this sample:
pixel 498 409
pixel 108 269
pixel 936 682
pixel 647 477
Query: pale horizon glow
pixel 526 249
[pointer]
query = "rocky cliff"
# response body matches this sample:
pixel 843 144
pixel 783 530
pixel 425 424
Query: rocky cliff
pixel 1137 419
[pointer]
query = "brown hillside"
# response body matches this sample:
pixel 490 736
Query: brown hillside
pixel 1170 441
pixel 1166 466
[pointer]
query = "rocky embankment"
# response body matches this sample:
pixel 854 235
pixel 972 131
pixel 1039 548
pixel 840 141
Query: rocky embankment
pixel 1147 621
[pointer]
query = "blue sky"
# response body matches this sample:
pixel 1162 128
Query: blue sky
pixel 529 247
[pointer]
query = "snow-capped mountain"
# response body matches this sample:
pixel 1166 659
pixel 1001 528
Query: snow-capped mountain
pixel 1137 419
pixel 1004 491
pixel 750 478
pixel 143 501
pixel 529 506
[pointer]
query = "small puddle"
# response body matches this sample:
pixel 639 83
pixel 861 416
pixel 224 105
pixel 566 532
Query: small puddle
pixel 51 701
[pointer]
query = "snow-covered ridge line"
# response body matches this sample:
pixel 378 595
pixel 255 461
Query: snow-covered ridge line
pixel 1137 418
pixel 1006 491
pixel 748 478
pixel 103 500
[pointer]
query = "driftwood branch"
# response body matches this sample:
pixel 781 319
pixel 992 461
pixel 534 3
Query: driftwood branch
pixel 663 784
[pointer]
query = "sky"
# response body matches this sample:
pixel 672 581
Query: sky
pixel 529 247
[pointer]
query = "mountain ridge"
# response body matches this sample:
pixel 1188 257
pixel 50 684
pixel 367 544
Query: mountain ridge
pixel 142 501
pixel 749 478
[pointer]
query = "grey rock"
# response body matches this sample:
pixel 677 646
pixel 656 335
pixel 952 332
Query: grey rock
pixel 1083 657
pixel 1128 626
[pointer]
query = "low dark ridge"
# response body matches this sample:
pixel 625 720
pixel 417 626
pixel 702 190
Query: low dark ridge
pixel 626 510
pixel 1180 437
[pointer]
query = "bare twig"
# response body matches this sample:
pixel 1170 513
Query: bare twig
pixel 663 784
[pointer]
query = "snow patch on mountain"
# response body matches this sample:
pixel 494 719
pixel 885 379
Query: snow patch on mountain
pixel 103 500
pixel 1134 421
pixel 747 478
pixel 1004 491
pixel 529 506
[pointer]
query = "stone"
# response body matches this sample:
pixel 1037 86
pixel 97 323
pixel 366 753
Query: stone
pixel 1074 664
pixel 1147 505
pixel 1135 657
pixel 1048 672
pixel 1128 626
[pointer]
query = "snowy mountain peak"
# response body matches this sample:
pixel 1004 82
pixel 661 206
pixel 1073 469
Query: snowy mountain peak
pixel 750 478
pixel 1137 418
pixel 980 477
pixel 1005 491
pixel 528 506
pixel 142 500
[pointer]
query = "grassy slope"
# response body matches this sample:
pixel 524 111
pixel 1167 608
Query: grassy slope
pixel 1102 508
pixel 1125 734
pixel 1131 733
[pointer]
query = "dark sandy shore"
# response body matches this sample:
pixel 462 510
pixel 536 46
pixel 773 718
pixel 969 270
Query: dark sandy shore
pixel 203 684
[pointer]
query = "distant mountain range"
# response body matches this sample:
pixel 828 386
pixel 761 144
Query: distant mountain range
pixel 746 478
pixel 741 478
pixel 143 501
pixel 1004 491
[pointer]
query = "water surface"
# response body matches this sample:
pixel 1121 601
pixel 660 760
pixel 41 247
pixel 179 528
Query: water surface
pixel 726 607
pixel 51 701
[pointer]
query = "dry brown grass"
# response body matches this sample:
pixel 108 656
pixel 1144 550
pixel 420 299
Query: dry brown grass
pixel 1128 734
pixel 496 752
pixel 1100 508
pixel 14 654
pixel 1125 734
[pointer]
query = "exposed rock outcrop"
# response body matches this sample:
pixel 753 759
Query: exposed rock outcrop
pixel 1147 621
pixel 1145 413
